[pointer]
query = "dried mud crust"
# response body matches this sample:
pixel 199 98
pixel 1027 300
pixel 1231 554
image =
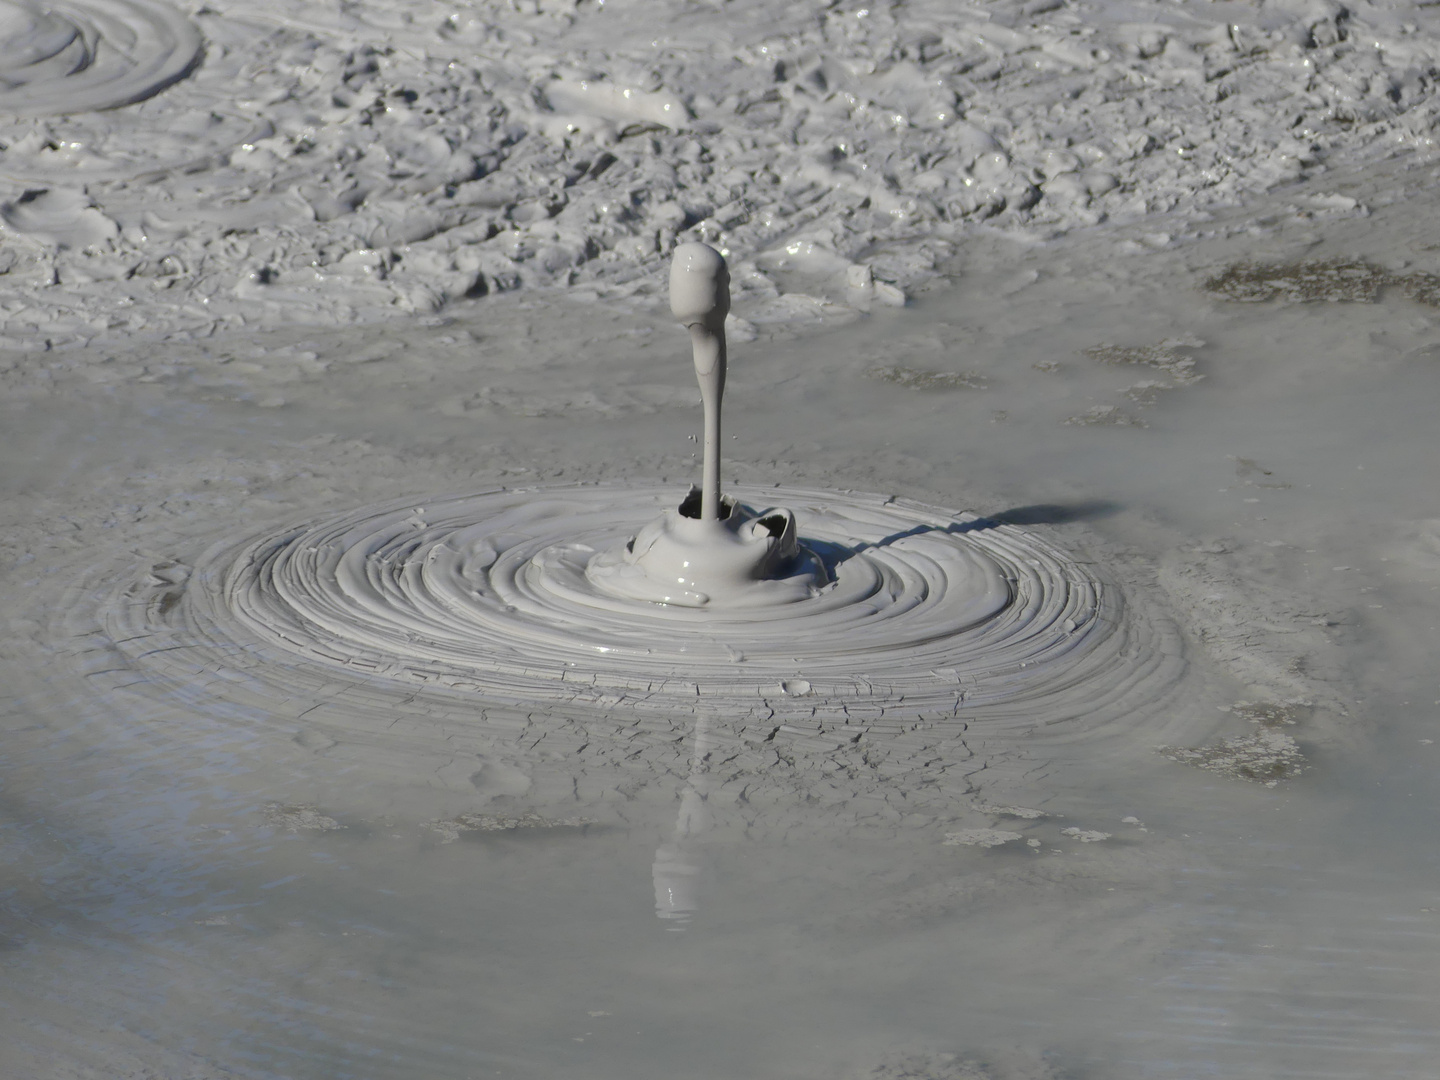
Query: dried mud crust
pixel 450 829
pixel 916 379
pixel 1010 1064
pixel 300 817
pixel 1170 359
pixel 1106 416
pixel 1266 757
pixel 1237 601
pixel 1330 280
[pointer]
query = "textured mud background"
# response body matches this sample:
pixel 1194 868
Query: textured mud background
pixel 344 162
pixel 1167 276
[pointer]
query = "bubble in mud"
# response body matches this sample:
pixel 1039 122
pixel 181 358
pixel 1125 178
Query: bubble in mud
pixel 76 56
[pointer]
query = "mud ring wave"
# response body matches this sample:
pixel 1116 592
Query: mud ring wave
pixel 75 56
pixel 466 601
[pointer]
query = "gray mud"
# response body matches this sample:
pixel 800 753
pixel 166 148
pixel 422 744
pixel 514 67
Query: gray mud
pixel 231 855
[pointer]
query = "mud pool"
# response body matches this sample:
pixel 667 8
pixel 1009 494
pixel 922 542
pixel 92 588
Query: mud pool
pixel 1186 380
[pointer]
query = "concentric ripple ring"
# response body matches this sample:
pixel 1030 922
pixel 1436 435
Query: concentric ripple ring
pixel 74 56
pixel 931 615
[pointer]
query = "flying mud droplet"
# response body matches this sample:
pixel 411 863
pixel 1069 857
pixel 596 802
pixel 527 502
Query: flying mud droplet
pixel 76 56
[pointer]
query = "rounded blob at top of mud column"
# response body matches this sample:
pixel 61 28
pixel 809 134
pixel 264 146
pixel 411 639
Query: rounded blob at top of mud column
pixel 699 286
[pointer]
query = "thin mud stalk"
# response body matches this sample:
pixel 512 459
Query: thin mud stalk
pixel 700 299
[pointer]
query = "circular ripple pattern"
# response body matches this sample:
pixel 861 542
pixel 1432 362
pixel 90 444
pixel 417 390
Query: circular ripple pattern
pixel 82 55
pixel 930 616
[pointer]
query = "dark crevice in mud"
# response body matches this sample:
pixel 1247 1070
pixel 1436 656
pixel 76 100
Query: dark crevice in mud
pixel 690 505
pixel 775 524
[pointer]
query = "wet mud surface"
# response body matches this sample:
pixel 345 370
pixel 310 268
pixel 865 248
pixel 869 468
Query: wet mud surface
pixel 314 345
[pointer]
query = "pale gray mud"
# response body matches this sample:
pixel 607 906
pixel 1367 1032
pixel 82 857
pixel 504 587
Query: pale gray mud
pixel 236 849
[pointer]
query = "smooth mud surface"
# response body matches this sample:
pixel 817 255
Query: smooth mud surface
pixel 1109 753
